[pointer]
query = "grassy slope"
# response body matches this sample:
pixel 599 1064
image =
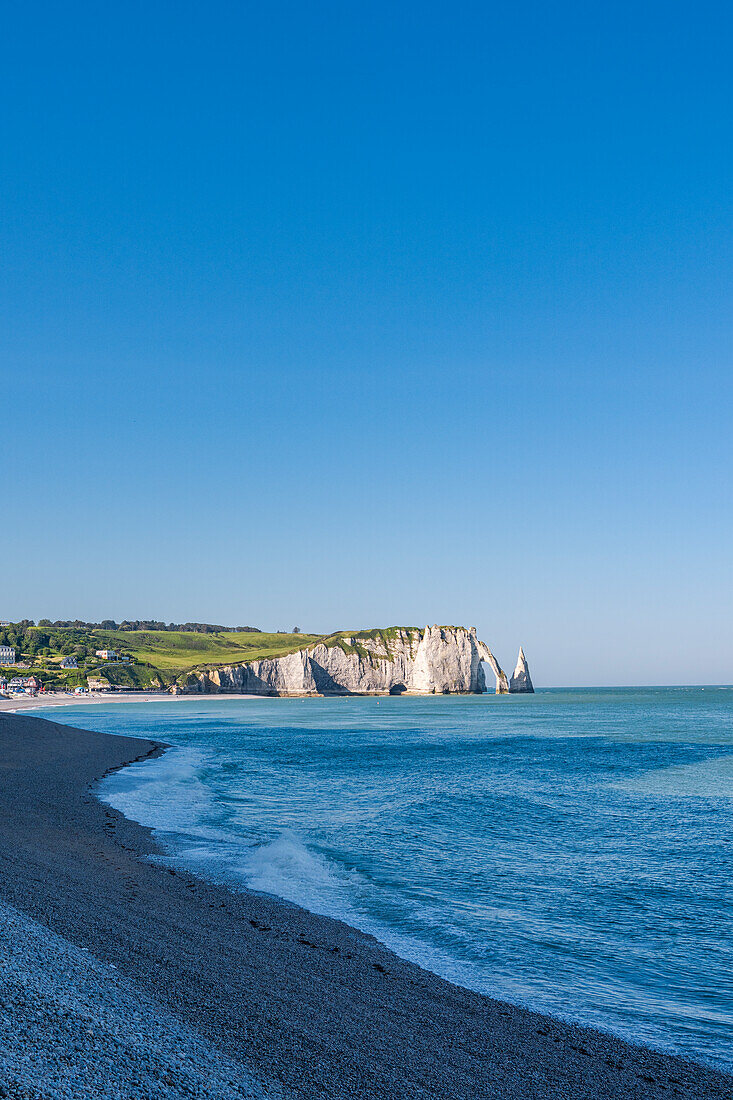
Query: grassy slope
pixel 160 657
pixel 171 651
pixel 178 651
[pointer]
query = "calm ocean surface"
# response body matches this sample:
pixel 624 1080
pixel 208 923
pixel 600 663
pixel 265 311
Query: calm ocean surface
pixel 569 850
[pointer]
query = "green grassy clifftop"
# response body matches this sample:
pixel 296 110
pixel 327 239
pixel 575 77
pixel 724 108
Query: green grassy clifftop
pixel 151 658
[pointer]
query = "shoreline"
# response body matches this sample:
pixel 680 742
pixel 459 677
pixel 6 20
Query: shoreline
pixel 304 1004
pixel 41 702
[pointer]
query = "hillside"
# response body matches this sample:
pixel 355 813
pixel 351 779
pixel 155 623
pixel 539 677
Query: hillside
pixel 205 657
pixel 151 658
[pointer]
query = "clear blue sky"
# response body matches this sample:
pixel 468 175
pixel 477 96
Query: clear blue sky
pixel 346 315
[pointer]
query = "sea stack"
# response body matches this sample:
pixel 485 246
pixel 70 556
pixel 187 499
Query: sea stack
pixel 521 681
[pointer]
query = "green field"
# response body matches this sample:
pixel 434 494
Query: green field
pixel 156 658
pixel 159 658
pixel 171 651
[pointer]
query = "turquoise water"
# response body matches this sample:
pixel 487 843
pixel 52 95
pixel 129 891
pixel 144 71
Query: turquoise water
pixel 569 850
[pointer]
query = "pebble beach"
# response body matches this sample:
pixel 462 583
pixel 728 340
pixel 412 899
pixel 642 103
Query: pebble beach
pixel 125 978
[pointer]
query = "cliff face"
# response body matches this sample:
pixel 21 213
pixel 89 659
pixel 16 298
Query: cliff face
pixel 521 681
pixel 436 660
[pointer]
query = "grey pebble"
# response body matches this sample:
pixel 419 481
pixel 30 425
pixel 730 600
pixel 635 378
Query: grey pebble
pixel 66 1033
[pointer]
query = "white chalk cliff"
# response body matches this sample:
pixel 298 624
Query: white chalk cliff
pixel 521 681
pixel 436 660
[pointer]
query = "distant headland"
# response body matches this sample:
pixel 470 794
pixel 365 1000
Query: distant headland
pixel 203 657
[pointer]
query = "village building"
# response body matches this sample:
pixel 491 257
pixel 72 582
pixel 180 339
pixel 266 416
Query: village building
pixel 69 662
pixel 30 684
pixel 7 655
pixel 107 654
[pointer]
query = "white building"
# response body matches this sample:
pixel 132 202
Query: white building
pixel 7 655
pixel 107 654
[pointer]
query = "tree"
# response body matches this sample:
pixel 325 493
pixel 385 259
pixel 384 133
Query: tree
pixel 296 630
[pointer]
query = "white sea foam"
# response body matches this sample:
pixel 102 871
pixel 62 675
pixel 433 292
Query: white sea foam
pixel 166 793
pixel 288 868
pixel 170 796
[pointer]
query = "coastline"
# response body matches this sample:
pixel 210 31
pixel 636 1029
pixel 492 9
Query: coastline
pixel 304 1004
pixel 38 702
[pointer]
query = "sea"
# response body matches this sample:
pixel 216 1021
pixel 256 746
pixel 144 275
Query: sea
pixel 569 850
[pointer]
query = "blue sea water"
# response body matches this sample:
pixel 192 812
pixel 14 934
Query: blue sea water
pixel 569 850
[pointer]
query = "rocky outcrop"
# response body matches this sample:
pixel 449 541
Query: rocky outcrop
pixel 289 675
pixel 436 660
pixel 502 684
pixel 521 681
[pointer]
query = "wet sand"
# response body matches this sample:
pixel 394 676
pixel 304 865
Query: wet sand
pixel 304 1004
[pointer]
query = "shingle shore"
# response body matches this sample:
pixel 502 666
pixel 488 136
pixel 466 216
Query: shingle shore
pixel 248 985
pixel 70 1027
